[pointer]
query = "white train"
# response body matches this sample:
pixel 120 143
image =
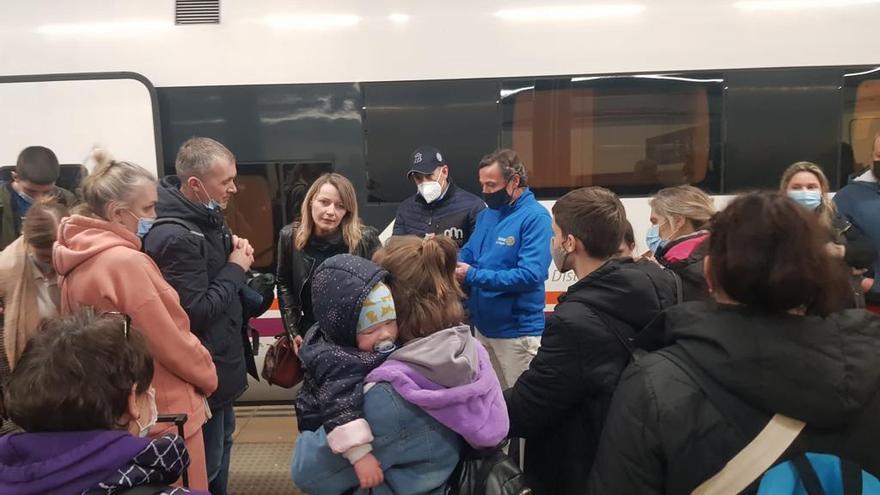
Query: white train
pixel 632 95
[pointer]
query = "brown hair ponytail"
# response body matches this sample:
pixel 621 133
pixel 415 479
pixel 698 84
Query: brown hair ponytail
pixel 422 281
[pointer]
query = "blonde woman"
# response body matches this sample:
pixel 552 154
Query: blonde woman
pixel 98 256
pixel 805 183
pixel 28 283
pixel 677 237
pixel 329 225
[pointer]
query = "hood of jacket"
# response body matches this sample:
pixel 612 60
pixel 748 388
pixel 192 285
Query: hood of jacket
pixel 339 287
pixel 56 463
pixel 633 292
pixel 81 238
pixel 474 409
pixel 172 203
pixel 448 357
pixel 819 370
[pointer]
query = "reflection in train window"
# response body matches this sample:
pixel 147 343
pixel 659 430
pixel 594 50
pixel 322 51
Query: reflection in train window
pixel 265 202
pixel 298 178
pixel 861 120
pixel 631 134
pixel 250 212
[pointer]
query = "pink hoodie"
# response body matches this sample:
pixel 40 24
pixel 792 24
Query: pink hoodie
pixel 101 265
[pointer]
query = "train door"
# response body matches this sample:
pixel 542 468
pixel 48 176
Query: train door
pixel 70 114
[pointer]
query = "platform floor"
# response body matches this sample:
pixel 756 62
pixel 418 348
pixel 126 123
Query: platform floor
pixel 262 450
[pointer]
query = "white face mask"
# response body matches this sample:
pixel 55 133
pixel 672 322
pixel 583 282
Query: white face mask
pixel 430 190
pixel 154 415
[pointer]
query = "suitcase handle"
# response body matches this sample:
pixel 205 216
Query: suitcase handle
pixel 179 420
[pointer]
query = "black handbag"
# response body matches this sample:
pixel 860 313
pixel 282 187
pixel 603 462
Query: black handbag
pixel 486 472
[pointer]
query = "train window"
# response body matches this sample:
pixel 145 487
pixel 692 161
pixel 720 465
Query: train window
pixel 266 201
pixel 861 120
pixel 250 211
pixel 632 134
pixel 459 117
pixel 297 179
pixel 70 175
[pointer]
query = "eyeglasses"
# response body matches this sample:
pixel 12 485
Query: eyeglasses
pixel 126 321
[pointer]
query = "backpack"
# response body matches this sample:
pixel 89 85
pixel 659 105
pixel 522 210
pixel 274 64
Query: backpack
pixel 190 226
pixel 253 294
pixel 818 474
pixel 804 474
pixel 629 343
pixel 486 472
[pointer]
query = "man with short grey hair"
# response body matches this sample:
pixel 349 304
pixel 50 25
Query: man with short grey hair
pixel 208 266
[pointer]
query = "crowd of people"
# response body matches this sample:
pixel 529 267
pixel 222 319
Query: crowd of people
pixel 656 372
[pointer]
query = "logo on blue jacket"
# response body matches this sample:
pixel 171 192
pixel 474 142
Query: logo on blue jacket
pixel 506 241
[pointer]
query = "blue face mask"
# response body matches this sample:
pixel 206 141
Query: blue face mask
pixel 144 225
pixel 653 239
pixel 211 204
pixel 810 199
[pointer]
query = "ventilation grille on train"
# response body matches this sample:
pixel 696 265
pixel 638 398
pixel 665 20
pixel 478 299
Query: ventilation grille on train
pixel 197 12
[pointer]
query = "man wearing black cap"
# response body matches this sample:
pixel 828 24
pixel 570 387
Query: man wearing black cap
pixel 439 207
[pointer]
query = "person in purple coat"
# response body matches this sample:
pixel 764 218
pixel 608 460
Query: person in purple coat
pixel 430 396
pixel 81 391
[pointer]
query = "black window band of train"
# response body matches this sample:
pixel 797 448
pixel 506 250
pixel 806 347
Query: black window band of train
pixel 724 131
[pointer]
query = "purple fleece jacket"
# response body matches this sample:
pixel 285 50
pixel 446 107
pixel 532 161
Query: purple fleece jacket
pixel 474 408
pixel 87 461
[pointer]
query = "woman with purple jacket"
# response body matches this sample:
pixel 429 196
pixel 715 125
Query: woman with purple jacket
pixel 434 393
pixel 81 391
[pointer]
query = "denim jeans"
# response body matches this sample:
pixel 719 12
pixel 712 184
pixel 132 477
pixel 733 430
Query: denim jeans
pixel 218 446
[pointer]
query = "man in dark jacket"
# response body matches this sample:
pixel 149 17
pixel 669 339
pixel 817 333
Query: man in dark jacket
pixel 858 202
pixel 36 171
pixel 207 265
pixel 559 404
pixel 439 206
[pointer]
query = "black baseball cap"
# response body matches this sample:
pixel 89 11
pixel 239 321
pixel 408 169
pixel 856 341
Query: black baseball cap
pixel 425 160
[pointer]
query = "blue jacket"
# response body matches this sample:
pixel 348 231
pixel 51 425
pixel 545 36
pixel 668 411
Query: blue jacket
pixel 509 254
pixel 859 202
pixel 416 452
pixel 453 215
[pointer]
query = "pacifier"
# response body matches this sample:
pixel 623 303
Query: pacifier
pixel 385 346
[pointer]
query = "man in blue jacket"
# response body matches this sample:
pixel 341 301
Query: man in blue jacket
pixel 504 265
pixel 859 202
pixel 207 266
pixel 439 206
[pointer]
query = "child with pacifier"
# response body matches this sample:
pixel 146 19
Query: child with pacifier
pixel 355 332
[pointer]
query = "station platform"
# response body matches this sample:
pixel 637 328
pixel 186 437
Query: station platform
pixel 262 451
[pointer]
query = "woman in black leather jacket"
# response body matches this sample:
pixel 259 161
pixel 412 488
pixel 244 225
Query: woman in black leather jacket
pixel 329 225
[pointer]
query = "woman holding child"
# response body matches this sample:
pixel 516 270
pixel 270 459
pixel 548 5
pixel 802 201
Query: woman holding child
pixel 396 420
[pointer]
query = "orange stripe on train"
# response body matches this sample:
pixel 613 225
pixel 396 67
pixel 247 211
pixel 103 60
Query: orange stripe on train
pixel 550 298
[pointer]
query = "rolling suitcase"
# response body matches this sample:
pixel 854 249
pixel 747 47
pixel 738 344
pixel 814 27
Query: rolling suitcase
pixel 179 420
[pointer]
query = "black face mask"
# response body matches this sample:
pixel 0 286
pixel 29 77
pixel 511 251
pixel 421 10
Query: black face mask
pixel 497 199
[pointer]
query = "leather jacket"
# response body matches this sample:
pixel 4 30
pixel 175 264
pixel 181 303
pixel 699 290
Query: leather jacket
pixel 296 267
